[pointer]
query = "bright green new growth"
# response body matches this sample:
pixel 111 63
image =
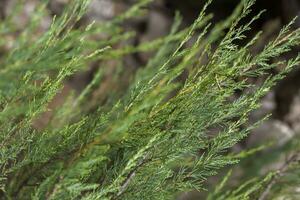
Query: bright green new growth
pixel 159 137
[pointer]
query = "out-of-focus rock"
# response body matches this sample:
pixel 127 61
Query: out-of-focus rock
pixel 22 19
pixel 285 92
pixel 293 117
pixel 57 6
pixel 271 130
pixel 267 106
pixel 157 25
pixel 100 10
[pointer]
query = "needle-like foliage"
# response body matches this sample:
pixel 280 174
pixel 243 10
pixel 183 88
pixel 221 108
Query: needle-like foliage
pixel 155 138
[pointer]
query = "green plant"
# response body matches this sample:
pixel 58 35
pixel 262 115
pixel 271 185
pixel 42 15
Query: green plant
pixel 154 138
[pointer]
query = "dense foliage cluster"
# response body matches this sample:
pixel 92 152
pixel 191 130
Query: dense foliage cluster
pixel 163 131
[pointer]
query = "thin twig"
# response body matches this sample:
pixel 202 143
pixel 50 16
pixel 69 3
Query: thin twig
pixel 280 172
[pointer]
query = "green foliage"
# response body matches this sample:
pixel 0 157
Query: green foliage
pixel 158 137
